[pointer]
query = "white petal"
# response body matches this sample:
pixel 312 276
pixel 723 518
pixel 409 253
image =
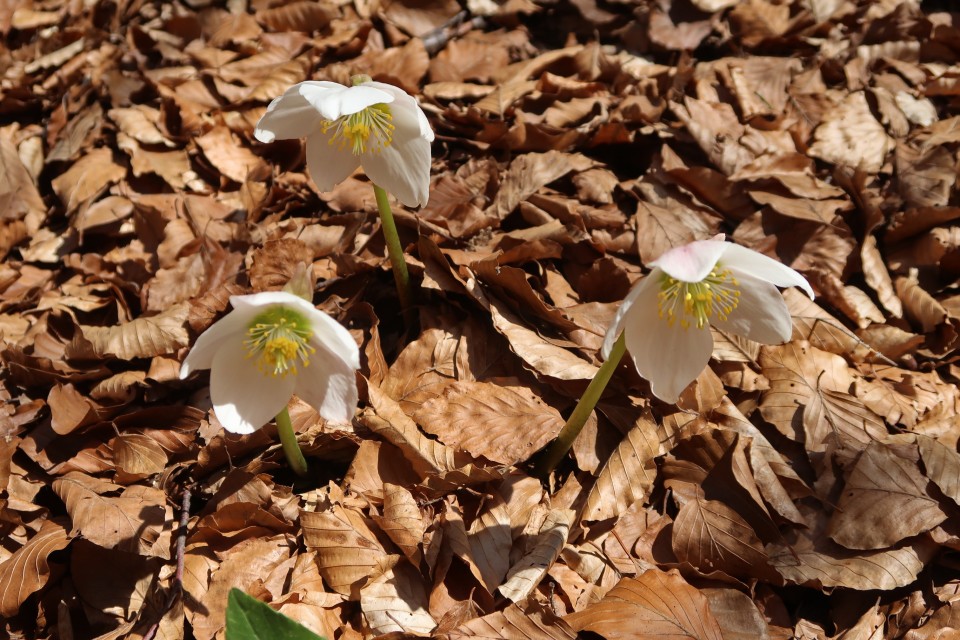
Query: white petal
pixel 329 384
pixel 639 290
pixel 229 328
pixel 691 262
pixel 243 398
pixel 761 315
pixel 289 116
pixel 327 163
pixel 760 266
pixel 669 357
pixel 409 118
pixel 254 303
pixel 337 100
pixel 402 169
pixel 334 337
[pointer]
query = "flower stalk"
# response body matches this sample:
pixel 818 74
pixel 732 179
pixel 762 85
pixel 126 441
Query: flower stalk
pixel 588 401
pixel 395 250
pixel 288 440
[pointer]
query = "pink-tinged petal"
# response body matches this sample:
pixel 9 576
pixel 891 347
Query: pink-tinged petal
pixel 336 101
pixel 289 116
pixel 669 357
pixel 409 118
pixel 691 262
pixel 402 169
pixel 245 399
pixel 334 337
pixel 765 268
pixel 329 384
pixel 761 315
pixel 223 333
pixel 327 163
pixel 641 289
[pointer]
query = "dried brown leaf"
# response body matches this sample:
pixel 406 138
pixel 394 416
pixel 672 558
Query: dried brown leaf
pixel 402 521
pixel 395 600
pixel 347 549
pixel 27 570
pixel 144 337
pixel 942 464
pixel 662 604
pixel 482 419
pixel 881 484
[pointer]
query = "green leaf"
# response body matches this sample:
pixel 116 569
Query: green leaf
pixel 250 619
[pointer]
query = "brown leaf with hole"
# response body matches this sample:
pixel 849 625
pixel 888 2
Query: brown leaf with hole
pixel 395 599
pixel 347 549
pixel 27 570
pixel 402 521
pixel 482 418
pixel 138 520
pixel 885 499
pixel 144 337
pixel 662 604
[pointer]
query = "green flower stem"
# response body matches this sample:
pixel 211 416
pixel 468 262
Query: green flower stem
pixel 395 251
pixel 288 440
pixel 559 447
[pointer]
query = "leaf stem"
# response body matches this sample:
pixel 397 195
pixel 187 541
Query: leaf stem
pixel 288 440
pixel 395 251
pixel 559 447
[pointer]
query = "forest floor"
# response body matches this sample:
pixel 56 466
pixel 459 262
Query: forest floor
pixel 807 490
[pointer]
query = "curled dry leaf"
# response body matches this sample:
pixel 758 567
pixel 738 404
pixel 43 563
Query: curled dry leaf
pixel 525 575
pixel 850 136
pixel 27 570
pixel 144 337
pixel 402 521
pixel 942 466
pixel 662 604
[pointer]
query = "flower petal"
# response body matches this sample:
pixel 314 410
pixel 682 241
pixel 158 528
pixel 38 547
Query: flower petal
pixel 765 268
pixel 329 384
pixel 291 115
pixel 691 262
pixel 669 357
pixel 334 337
pixel 245 399
pixel 231 326
pixel 254 303
pixel 408 117
pixel 327 163
pixel 337 100
pixel 639 290
pixel 761 314
pixel 403 169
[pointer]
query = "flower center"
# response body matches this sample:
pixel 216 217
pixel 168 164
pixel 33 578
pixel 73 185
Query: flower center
pixel 279 338
pixel 694 303
pixel 372 127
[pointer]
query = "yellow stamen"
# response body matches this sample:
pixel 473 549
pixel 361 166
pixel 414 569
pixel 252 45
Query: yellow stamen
pixel 695 303
pixel 357 129
pixel 279 338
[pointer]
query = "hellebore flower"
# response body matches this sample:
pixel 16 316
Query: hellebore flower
pixel 666 318
pixel 271 346
pixel 372 124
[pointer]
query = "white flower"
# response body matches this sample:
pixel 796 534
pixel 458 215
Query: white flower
pixel 271 346
pixel 666 318
pixel 371 123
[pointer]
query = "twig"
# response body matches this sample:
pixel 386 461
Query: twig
pixel 176 588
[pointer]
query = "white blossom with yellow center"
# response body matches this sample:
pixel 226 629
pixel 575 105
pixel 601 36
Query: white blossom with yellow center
pixel 370 124
pixel 271 346
pixel 666 317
